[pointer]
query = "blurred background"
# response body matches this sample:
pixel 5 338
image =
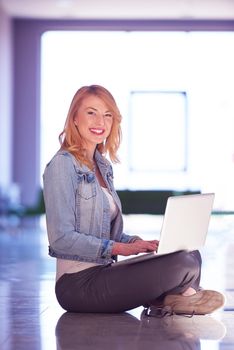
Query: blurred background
pixel 169 65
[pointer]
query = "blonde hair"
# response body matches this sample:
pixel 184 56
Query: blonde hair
pixel 70 138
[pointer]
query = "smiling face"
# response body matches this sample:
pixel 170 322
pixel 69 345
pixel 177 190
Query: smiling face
pixel 93 121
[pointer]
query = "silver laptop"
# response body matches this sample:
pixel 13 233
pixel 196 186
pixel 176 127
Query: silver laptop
pixel 184 227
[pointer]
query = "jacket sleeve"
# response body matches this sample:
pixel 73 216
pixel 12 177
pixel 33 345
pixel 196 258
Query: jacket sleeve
pixel 60 185
pixel 128 238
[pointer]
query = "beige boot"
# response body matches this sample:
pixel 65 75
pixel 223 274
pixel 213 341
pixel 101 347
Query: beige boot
pixel 201 303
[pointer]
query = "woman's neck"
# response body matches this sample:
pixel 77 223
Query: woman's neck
pixel 90 154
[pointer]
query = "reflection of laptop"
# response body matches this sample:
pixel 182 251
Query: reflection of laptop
pixel 185 225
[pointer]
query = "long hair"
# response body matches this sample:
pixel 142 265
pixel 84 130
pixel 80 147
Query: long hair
pixel 70 138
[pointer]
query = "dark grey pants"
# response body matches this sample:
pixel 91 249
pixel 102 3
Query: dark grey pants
pixel 124 287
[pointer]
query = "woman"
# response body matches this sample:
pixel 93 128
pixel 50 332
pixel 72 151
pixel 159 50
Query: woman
pixel 85 226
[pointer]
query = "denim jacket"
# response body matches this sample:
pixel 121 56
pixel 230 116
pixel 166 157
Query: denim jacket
pixel 78 212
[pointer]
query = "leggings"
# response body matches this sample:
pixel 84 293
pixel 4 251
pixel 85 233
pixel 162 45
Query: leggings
pixel 111 289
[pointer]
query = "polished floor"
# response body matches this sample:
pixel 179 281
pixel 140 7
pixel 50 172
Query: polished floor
pixel 30 317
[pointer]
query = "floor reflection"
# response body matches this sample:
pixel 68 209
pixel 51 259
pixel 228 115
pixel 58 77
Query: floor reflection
pixel 124 331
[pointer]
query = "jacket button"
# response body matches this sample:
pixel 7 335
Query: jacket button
pixel 90 177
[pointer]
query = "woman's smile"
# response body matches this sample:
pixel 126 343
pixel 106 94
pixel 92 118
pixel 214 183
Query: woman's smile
pixel 97 131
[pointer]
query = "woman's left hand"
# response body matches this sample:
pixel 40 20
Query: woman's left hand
pixel 138 246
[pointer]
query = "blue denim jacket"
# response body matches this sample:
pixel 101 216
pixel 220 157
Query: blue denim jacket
pixel 78 212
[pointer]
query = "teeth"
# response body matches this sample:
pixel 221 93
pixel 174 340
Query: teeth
pixel 97 131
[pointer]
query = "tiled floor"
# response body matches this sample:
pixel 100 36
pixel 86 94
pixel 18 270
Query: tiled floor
pixel 30 317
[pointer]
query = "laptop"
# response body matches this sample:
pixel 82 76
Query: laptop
pixel 185 226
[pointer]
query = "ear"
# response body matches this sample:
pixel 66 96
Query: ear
pixel 75 122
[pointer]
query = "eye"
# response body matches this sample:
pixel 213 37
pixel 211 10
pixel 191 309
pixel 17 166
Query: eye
pixel 91 113
pixel 108 115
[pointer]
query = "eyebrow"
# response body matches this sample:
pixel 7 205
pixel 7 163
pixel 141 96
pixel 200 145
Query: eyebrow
pixel 107 111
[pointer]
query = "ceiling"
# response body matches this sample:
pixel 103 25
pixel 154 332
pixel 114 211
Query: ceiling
pixel 120 9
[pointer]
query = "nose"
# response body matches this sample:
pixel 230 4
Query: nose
pixel 100 119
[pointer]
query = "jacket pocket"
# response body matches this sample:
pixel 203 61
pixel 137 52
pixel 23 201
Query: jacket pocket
pixel 86 186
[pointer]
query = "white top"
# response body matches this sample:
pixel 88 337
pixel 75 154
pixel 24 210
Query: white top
pixel 113 206
pixel 71 266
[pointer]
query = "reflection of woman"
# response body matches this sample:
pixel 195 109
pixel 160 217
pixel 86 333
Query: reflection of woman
pixel 85 226
pixel 122 331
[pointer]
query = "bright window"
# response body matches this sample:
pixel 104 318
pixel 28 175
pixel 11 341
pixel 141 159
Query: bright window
pixel 158 122
pixel 187 142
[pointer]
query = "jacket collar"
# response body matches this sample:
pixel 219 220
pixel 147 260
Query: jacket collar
pixel 103 164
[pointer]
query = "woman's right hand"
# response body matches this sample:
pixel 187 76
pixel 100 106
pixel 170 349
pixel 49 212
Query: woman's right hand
pixel 139 246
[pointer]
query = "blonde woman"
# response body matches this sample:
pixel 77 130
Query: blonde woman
pixel 85 225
